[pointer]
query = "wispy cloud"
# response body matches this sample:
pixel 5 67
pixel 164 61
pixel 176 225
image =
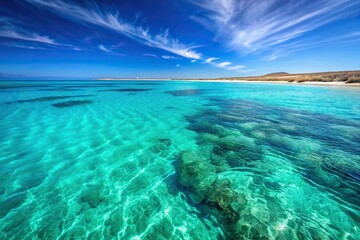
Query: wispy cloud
pixel 295 46
pixel 150 55
pixel 104 49
pixel 13 30
pixel 253 26
pixel 224 64
pixel 77 49
pixel 10 30
pixel 167 57
pixel 209 60
pixel 23 46
pixel 237 67
pixel 109 50
pixel 12 33
pixel 93 14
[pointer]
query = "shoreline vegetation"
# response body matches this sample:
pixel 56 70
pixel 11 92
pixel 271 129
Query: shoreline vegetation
pixel 340 78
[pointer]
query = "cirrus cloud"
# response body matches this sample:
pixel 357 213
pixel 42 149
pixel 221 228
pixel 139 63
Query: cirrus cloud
pixel 93 14
pixel 251 27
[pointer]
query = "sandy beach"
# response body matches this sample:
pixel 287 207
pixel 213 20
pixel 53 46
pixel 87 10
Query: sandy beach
pixel 334 84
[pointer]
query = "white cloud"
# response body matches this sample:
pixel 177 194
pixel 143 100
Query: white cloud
pixel 95 15
pixel 209 60
pixel 236 67
pixel 249 26
pixel 224 64
pixel 219 10
pixel 194 60
pixel 103 48
pixel 8 30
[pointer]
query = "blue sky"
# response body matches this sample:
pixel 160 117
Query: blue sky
pixel 177 38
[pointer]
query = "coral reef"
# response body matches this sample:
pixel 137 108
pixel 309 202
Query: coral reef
pixel 231 139
pixel 71 103
pixel 187 92
pixel 47 99
pixel 127 90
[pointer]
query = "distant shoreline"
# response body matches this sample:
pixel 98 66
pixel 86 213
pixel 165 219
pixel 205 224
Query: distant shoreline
pixel 340 78
pixel 336 84
pixel 333 84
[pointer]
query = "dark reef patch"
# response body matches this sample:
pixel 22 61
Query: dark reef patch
pixel 161 148
pixel 41 99
pixel 212 193
pixel 60 89
pixel 187 92
pixel 11 203
pixel 233 136
pixel 166 141
pixel 127 90
pixel 86 86
pixel 71 103
pixel 47 99
pixel 171 108
pixel 22 86
pixel 92 196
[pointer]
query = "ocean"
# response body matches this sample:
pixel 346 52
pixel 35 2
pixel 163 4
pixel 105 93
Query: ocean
pixel 178 160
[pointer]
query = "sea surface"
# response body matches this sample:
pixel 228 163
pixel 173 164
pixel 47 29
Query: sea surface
pixel 178 160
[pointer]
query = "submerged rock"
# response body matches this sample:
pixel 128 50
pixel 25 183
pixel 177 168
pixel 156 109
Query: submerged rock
pixel 234 159
pixel 231 142
pixel 47 99
pixel 205 187
pixel 71 103
pixel 221 195
pixel 230 184
pixel 229 117
pixel 187 92
pixel 166 141
pixel 206 127
pixel 128 90
pixel 238 149
pixel 42 99
pixel 194 169
pixel 207 138
pixel 162 147
pixel 92 196
pixel 220 162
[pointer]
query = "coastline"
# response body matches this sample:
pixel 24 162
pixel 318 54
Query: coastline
pixel 333 84
pixel 335 78
pixel 315 83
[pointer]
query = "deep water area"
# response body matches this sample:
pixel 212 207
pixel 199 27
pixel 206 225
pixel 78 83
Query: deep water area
pixel 178 160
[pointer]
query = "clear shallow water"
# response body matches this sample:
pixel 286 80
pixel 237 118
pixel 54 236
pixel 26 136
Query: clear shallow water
pixel 178 160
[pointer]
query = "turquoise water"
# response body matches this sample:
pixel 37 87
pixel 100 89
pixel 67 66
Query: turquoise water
pixel 178 160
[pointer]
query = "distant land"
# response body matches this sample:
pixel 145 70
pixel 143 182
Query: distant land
pixel 345 77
